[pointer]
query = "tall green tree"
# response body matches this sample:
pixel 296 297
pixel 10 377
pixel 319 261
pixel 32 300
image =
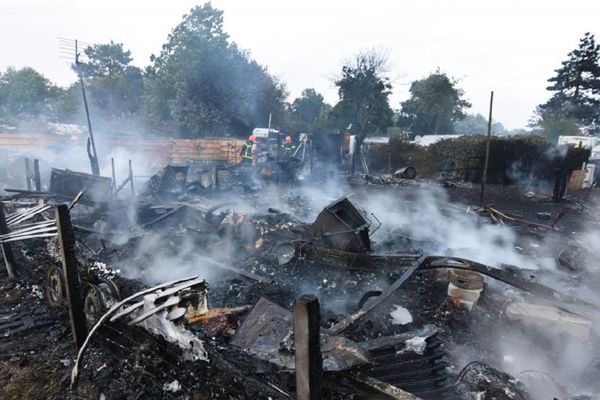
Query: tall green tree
pixel 307 111
pixel 434 105
pixel 205 85
pixel 25 93
pixel 476 124
pixel 364 90
pixel 554 126
pixel 576 90
pixel 115 86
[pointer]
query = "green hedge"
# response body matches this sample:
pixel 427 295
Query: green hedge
pixel 511 157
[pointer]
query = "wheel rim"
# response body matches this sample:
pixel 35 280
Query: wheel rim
pixel 55 288
pixel 92 306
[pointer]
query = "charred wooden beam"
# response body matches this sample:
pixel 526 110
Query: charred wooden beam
pixel 487 154
pixel 356 261
pixel 309 362
pixel 366 387
pixel 66 239
pixel 28 173
pixel 114 176
pixel 218 312
pixel 131 179
pixel 36 175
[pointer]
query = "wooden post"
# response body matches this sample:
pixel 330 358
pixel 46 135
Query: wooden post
pixel 28 173
pixel 114 176
pixel 487 153
pixel 309 363
pixel 66 240
pixel 9 258
pixel 311 155
pixel 131 179
pixel 36 175
pixel 389 162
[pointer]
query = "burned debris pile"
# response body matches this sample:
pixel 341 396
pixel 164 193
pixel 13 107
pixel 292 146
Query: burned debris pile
pixel 181 292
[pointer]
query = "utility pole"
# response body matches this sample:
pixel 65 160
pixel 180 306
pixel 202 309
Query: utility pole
pixel 92 154
pixel 487 153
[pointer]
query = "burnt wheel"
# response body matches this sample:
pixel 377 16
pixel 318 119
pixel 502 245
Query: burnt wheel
pixel 92 305
pixel 98 299
pixel 55 287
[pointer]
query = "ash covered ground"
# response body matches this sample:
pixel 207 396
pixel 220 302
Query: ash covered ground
pixel 446 346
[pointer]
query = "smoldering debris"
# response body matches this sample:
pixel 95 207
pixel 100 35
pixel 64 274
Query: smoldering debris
pixel 190 288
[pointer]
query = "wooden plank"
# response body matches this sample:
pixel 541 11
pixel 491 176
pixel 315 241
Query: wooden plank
pixel 308 358
pixel 66 239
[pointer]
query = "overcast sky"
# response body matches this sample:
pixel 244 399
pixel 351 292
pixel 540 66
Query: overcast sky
pixel 511 47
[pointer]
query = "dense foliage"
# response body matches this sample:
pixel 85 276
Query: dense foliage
pixel 575 102
pixel 435 104
pixel 308 113
pixel 201 83
pixel 25 93
pixel 512 158
pixel 363 89
pixel 477 124
pixel 114 85
pixel 204 84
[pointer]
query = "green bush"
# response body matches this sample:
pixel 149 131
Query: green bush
pixel 510 157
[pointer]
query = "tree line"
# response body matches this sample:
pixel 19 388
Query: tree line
pixel 202 84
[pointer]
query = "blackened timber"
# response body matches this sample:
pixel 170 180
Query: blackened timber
pixel 400 338
pixel 367 387
pixel 131 179
pixel 66 239
pixel 9 258
pixel 28 173
pixel 308 359
pixel 36 175
pixel 487 153
pixel 114 176
pixel 356 261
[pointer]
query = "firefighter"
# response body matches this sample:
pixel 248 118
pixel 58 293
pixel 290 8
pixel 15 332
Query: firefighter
pixel 288 146
pixel 247 152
